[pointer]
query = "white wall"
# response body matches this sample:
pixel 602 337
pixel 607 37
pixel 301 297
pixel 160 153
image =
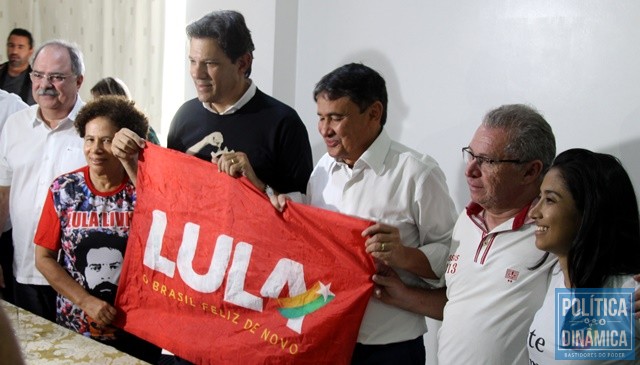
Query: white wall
pixel 447 63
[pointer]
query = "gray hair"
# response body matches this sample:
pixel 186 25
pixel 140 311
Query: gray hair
pixel 229 29
pixel 530 136
pixel 77 63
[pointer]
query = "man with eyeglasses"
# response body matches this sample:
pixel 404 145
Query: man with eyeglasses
pixel 492 288
pixel 14 74
pixel 38 144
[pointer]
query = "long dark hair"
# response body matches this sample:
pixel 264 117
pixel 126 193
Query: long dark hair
pixel 608 241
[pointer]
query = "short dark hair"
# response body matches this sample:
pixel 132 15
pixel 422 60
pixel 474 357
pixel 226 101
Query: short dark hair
pixel 111 86
pixel 96 240
pixel 22 33
pixel 229 29
pixel 120 111
pixel 608 240
pixel 362 84
pixel 530 136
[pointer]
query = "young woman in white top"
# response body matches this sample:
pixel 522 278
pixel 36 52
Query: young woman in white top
pixel 587 216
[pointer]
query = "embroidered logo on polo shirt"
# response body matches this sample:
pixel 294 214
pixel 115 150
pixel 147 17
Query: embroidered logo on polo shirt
pixel 511 275
pixel 452 264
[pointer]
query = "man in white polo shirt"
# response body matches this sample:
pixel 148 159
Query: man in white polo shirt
pixel 36 145
pixel 493 285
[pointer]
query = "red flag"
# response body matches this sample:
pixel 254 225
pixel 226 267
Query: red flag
pixel 214 274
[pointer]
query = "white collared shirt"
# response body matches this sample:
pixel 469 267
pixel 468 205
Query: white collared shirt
pixel 9 104
pixel 492 291
pixel 32 155
pixel 392 184
pixel 244 99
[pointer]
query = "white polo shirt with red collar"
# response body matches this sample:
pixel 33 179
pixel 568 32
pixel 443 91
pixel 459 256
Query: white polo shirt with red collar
pixel 492 292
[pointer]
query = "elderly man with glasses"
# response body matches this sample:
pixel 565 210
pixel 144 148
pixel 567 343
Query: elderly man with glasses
pixel 492 289
pixel 38 144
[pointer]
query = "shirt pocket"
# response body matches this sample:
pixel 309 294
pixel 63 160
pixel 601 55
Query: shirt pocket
pixel 72 158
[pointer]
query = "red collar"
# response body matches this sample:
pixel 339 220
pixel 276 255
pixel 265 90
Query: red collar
pixel 474 211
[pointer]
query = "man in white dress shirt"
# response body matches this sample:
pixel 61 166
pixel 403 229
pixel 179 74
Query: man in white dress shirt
pixel 493 289
pixel 38 144
pixel 366 174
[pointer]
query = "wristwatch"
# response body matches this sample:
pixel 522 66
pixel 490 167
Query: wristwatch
pixel 269 190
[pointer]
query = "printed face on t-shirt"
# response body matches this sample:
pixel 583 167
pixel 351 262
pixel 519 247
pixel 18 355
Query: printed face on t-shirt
pixel 103 271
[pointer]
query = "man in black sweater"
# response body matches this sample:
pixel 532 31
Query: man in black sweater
pixel 231 122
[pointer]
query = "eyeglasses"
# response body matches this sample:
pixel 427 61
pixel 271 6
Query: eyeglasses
pixel 52 78
pixel 469 157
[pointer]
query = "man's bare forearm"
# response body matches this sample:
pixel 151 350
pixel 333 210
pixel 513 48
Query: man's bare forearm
pixel 428 302
pixel 391 290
